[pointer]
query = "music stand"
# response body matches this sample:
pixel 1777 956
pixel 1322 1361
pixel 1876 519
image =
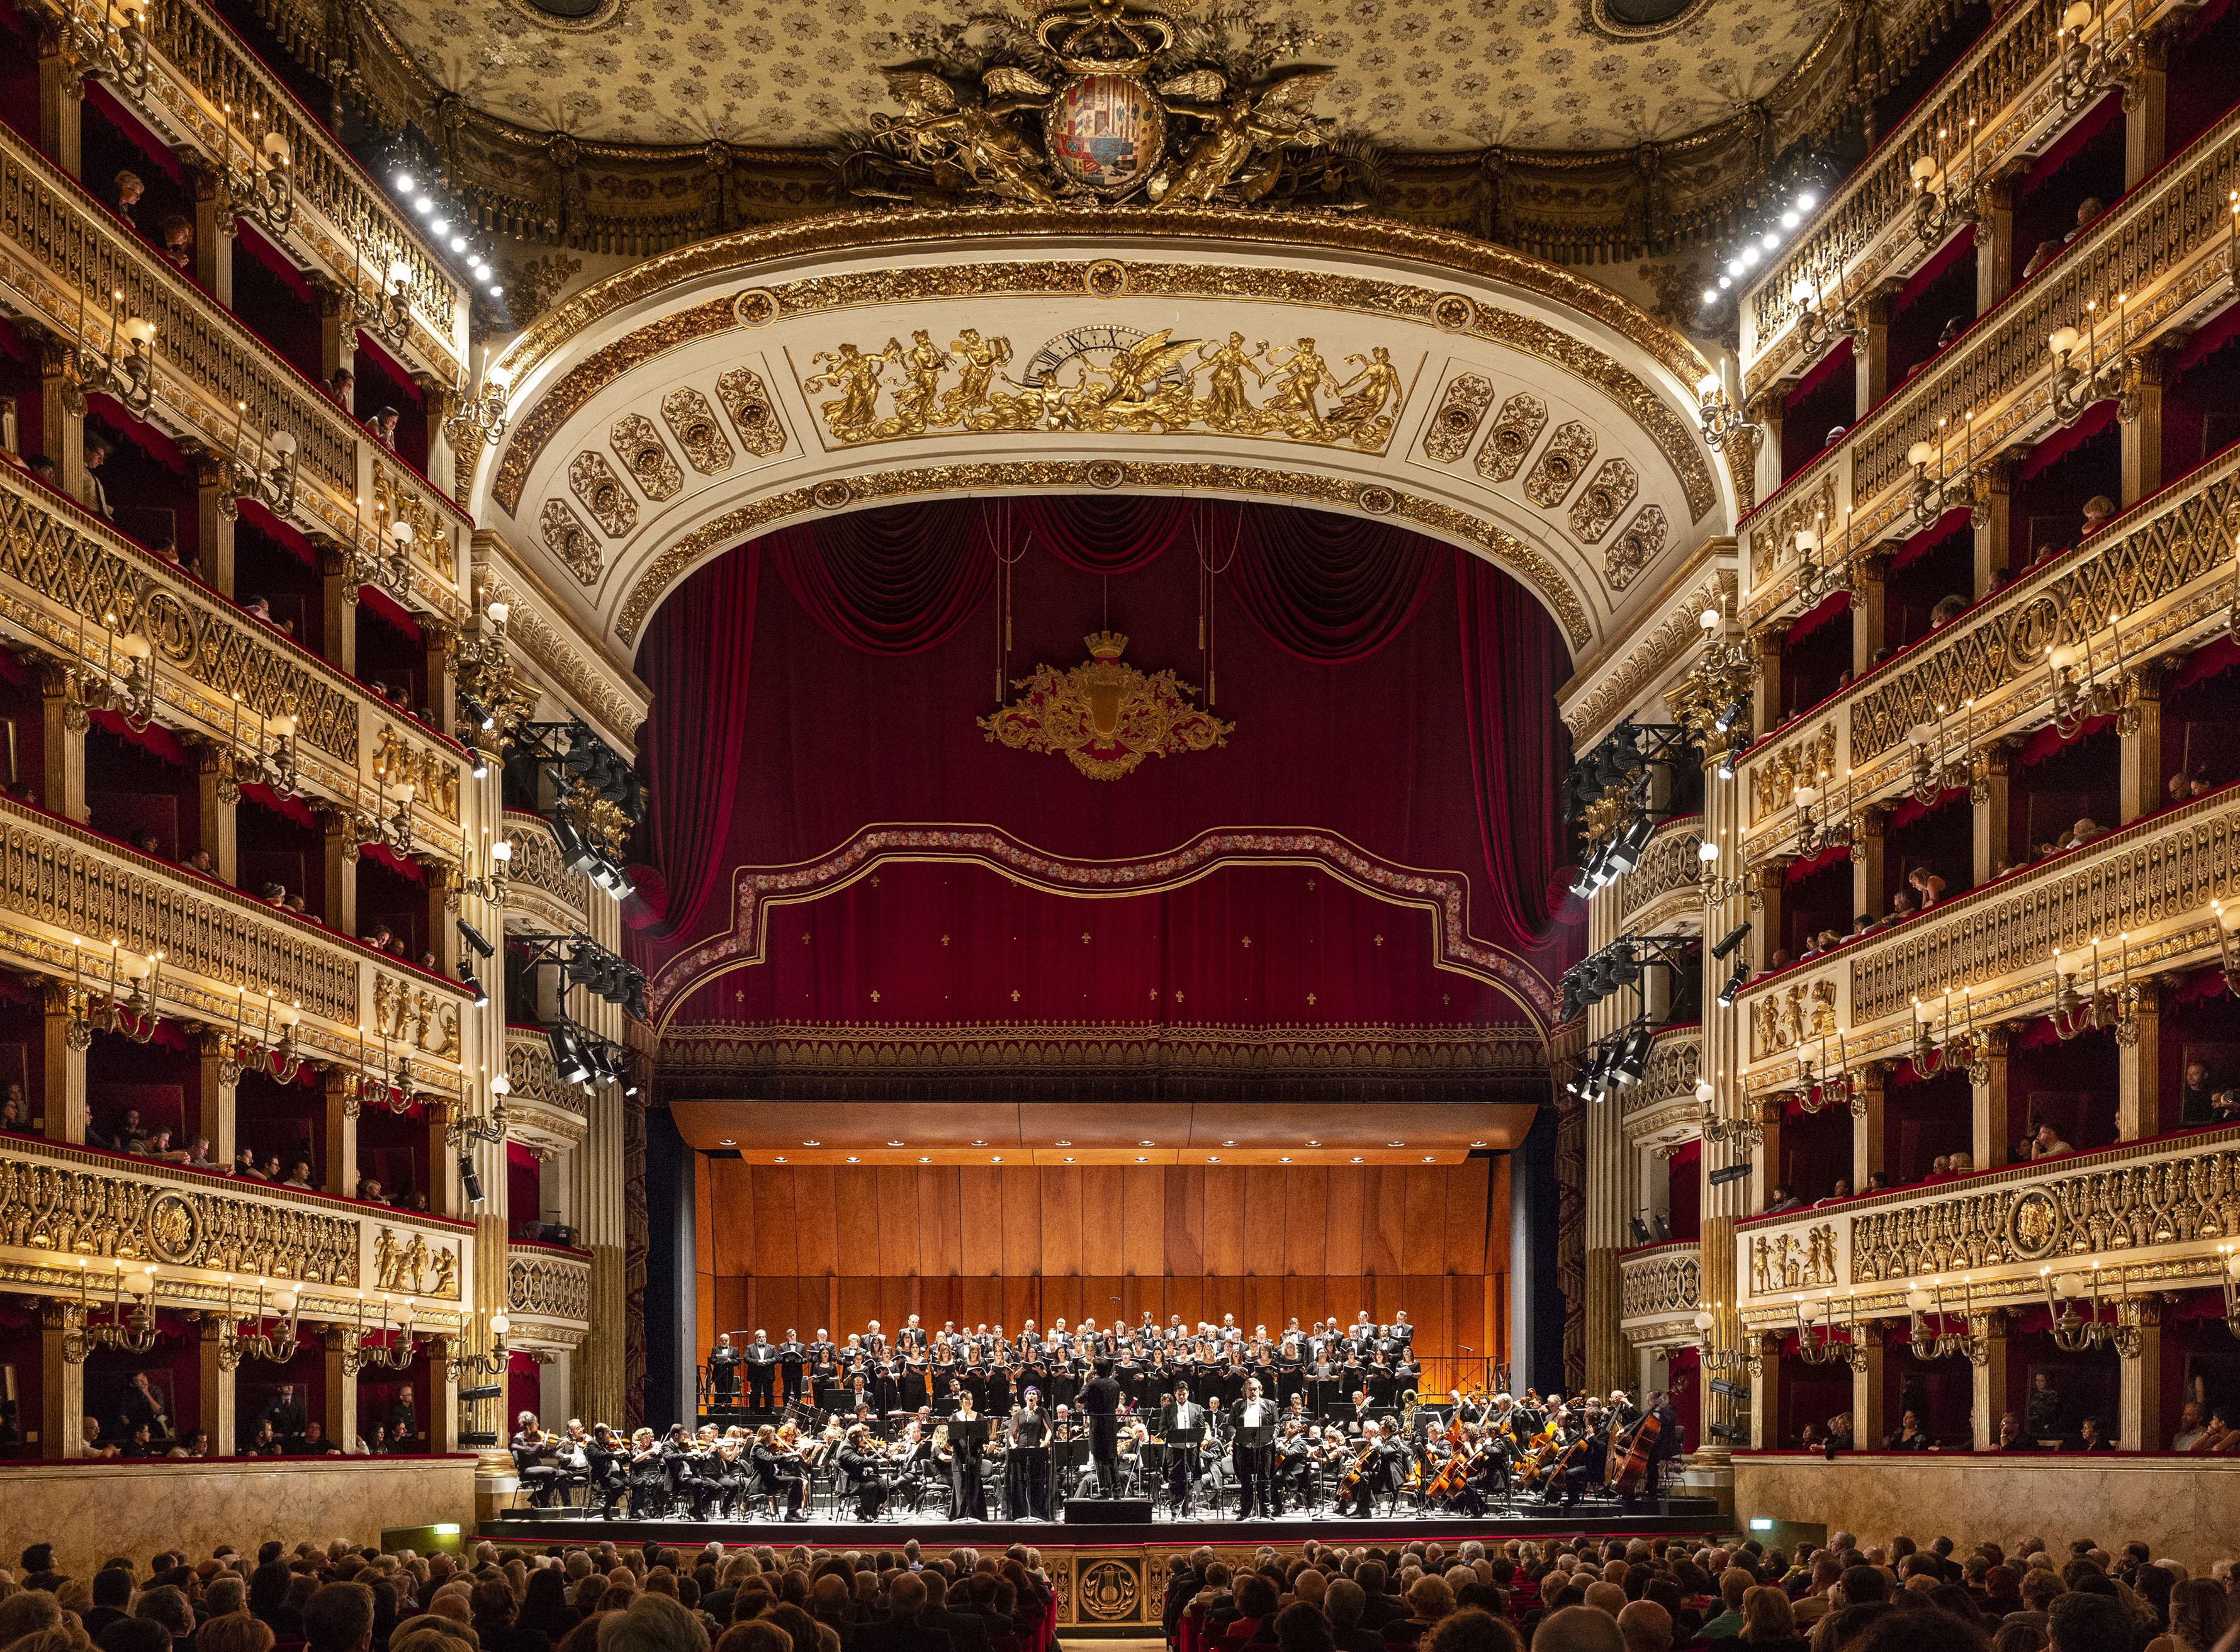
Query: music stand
pixel 1182 1440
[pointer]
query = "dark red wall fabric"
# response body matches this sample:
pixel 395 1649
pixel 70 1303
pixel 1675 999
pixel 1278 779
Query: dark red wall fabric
pixel 1393 750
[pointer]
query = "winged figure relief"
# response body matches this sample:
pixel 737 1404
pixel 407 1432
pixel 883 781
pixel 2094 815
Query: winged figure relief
pixel 939 130
pixel 1240 129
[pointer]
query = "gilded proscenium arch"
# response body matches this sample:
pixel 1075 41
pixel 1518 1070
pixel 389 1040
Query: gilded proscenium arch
pixel 756 890
pixel 1295 487
pixel 1044 278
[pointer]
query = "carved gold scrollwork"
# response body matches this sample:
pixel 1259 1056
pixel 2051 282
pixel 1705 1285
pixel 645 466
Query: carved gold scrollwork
pixel 1641 543
pixel 748 402
pixel 1667 1283
pixel 646 457
pixel 1561 462
pixel 693 423
pixel 1516 428
pixel 1605 499
pixel 550 1287
pixel 567 538
pixel 1447 437
pixel 593 481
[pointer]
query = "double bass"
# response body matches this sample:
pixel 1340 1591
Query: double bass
pixel 1627 1478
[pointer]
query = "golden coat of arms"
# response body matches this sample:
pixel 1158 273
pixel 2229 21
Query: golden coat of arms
pixel 1106 716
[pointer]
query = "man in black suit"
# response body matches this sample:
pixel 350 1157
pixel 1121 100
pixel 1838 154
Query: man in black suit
pixel 968 1633
pixel 284 1411
pixel 1182 1461
pixel 1101 1401
pixel 791 1354
pixel 761 1371
pixel 1252 1462
pixel 723 1370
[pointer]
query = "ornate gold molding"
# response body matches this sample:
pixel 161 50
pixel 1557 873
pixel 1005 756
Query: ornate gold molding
pixel 748 520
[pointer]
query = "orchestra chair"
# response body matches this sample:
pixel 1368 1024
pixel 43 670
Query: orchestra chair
pixel 531 1476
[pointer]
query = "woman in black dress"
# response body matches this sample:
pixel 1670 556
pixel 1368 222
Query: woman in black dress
pixel 966 1432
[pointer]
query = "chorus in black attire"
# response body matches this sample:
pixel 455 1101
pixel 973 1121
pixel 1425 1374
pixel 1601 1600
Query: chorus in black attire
pixel 723 1370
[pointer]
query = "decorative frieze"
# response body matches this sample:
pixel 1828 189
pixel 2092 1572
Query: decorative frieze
pixel 1668 1279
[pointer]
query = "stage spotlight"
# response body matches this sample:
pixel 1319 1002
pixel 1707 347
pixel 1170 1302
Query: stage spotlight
pixel 1632 838
pixel 473 937
pixel 1633 1057
pixel 1736 982
pixel 467 979
pixel 468 1180
pixel 568 1055
pixel 1732 939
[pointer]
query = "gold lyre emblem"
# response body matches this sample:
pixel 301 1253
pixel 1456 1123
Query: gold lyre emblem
pixel 1106 716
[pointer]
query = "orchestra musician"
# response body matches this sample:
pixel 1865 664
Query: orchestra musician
pixel 761 1371
pixel 1101 1400
pixel 649 1480
pixel 723 1371
pixel 777 1473
pixel 1294 1467
pixel 1374 1471
pixel 861 1474
pixel 604 1455
pixel 529 1444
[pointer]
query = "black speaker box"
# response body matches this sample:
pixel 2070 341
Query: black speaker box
pixel 1102 1511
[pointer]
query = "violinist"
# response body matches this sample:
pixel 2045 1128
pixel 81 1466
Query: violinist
pixel 682 1457
pixel 861 1476
pixel 728 1470
pixel 529 1446
pixel 1294 1464
pixel 604 1454
pixel 1374 1471
pixel 649 1479
pixel 967 1429
pixel 572 1458
pixel 777 1473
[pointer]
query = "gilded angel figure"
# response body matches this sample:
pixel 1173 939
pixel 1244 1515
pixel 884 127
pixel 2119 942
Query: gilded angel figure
pixel 1237 127
pixel 856 375
pixel 937 125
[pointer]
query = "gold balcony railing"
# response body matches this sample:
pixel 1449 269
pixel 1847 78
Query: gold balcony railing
pixel 548 1295
pixel 1865 232
pixel 542 894
pixel 199 64
pixel 1663 887
pixel 542 1112
pixel 1662 1106
pixel 73 588
pixel 216 384
pixel 2142 1216
pixel 1659 1289
pixel 2166 250
pixel 2164 569
pixel 208 1237
pixel 223 953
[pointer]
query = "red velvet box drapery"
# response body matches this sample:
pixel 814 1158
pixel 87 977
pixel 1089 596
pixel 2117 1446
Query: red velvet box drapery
pixel 1387 691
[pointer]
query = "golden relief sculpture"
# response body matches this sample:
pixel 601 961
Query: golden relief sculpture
pixel 395 499
pixel 1605 499
pixel 406 1263
pixel 407 1014
pixel 1785 1262
pixel 1808 762
pixel 1124 382
pixel 435 779
pixel 646 457
pixel 1105 716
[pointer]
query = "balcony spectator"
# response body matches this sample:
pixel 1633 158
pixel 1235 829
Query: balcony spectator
pixel 43 468
pixel 383 423
pixel 1901 909
pixel 340 384
pixel 119 1140
pixel 130 189
pixel 91 494
pixel 270 1165
pixel 2042 1408
pixel 2011 1438
pixel 148 845
pixel 2087 210
pixel 201 860
pixel 428 962
pixel 156 1145
pixel 1781 959
pixel 1782 1197
pixel 2192 1424
pixel 1949 608
pixel 2188 783
pixel 295 905
pixel 1964 1164
pixel 378 937
pixel 193 1443
pixel 2083 832
pixel 1908 1436
pixel 257 609
pixel 89 1432
pixel 299 1176
pixel 1954 327
pixel 2220 1435
pixel 198 1155
pixel 313 1441
pixel 284 1413
pixel 1835 435
pixel 1926 885
pixel 2097 509
pixel 2044 1143
pixel 2092 1436
pixel 368 1189
pixel 2201 1102
pixel 175 239
pixel 1876 1182
pixel 272 894
pixel 1939 1168
pixel 141 1408
pixel 1837 1194
pixel 15 1111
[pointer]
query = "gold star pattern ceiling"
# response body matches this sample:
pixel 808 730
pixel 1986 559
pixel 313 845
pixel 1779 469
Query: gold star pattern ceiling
pixel 1541 73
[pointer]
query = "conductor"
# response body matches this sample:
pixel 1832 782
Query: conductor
pixel 1101 1401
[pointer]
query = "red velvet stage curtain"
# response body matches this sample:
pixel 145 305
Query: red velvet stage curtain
pixel 1512 664
pixel 695 662
pixel 1112 533
pixel 1327 588
pixel 898 581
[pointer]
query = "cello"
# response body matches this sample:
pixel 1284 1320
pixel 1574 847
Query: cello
pixel 1629 1478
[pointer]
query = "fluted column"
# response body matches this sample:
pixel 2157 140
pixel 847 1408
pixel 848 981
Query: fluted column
pixel 595 1193
pixel 1608 1359
pixel 1725 814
